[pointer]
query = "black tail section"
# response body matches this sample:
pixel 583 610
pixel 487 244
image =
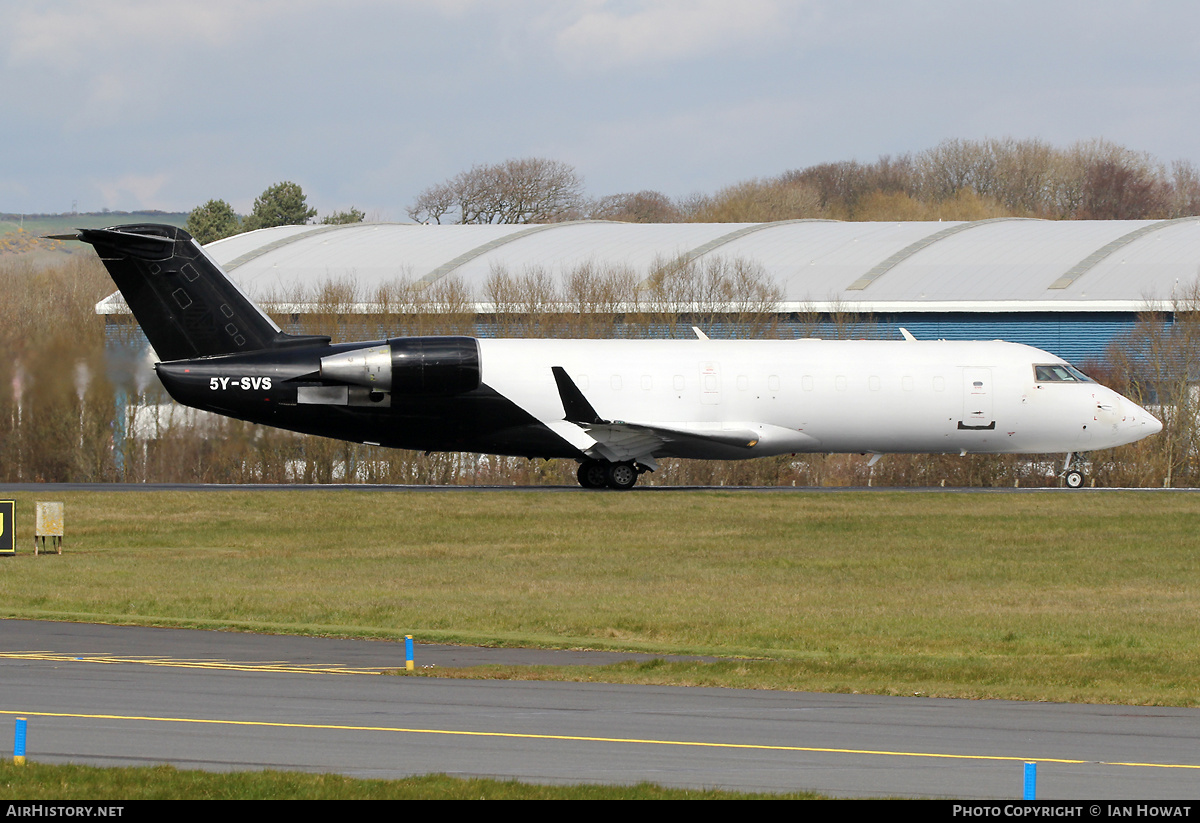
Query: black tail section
pixel 184 302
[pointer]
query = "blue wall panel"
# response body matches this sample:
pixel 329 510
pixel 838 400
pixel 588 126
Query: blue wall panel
pixel 1077 337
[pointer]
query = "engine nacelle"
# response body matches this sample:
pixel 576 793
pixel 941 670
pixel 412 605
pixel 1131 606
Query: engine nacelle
pixel 410 365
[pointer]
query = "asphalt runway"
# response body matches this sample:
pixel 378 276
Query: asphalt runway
pixel 223 701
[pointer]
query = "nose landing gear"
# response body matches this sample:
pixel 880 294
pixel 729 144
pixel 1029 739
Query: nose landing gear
pixel 1073 466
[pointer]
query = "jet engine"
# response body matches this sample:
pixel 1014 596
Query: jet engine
pixel 440 366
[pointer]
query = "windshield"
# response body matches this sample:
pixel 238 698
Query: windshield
pixel 1059 373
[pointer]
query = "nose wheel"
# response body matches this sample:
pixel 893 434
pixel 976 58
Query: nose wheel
pixel 1072 473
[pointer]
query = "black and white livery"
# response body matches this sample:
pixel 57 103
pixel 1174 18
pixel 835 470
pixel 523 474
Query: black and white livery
pixel 615 406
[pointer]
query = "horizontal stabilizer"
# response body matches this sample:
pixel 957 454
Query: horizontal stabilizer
pixel 130 243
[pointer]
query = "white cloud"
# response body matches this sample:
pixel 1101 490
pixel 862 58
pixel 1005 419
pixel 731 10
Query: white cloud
pixel 72 35
pixel 610 34
pixel 99 62
pixel 132 188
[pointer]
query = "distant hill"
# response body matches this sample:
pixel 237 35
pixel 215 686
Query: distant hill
pixel 21 233
pixel 62 223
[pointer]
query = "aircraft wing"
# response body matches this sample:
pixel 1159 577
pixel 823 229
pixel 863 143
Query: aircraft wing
pixel 620 440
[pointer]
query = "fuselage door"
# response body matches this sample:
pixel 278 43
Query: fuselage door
pixel 977 399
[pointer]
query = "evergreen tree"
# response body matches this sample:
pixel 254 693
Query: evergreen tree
pixel 212 221
pixel 340 217
pixel 280 205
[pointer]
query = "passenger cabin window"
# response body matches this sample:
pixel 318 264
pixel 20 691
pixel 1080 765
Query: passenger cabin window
pixel 1059 373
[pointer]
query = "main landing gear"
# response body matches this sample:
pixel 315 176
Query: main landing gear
pixel 1073 466
pixel 598 474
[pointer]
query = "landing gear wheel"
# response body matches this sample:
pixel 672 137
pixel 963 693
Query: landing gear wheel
pixel 1073 468
pixel 622 476
pixel 592 474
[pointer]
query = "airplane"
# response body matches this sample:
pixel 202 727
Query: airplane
pixel 616 407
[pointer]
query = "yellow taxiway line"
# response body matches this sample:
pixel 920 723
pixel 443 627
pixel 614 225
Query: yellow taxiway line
pixel 224 665
pixel 586 739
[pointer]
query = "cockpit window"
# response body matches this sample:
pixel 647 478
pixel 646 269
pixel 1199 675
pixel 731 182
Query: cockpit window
pixel 1059 373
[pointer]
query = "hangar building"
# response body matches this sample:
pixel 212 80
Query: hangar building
pixel 1069 287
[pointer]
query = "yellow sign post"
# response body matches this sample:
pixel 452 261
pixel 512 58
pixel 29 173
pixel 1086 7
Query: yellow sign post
pixel 49 524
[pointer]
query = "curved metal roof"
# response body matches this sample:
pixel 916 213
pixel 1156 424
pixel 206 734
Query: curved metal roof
pixel 1005 264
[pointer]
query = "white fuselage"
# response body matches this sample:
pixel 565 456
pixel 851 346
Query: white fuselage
pixel 821 396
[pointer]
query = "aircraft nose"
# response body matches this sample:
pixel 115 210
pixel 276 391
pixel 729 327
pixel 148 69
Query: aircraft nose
pixel 1153 424
pixel 1143 421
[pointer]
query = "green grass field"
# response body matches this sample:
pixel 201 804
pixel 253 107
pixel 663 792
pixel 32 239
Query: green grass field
pixel 1066 597
pixel 34 782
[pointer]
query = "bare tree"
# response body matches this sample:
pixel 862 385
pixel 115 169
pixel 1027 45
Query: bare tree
pixel 433 204
pixel 1023 173
pixel 637 207
pixel 841 187
pixel 1185 189
pixel 685 292
pixel 1156 365
pixel 1113 190
pixel 530 190
pixel 1100 180
pixel 759 201
pixel 949 167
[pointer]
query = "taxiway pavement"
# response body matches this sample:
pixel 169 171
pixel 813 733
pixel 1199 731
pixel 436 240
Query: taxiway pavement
pixel 225 701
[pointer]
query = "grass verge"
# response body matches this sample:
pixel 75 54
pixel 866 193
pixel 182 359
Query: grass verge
pixel 38 782
pixel 1064 597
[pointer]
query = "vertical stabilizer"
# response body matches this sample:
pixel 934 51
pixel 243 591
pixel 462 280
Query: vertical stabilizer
pixel 187 306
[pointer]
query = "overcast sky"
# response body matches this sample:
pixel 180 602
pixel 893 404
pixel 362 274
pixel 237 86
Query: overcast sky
pixel 124 104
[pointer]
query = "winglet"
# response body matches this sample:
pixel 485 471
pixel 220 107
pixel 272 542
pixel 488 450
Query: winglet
pixel 907 334
pixel 576 408
pixel 699 334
